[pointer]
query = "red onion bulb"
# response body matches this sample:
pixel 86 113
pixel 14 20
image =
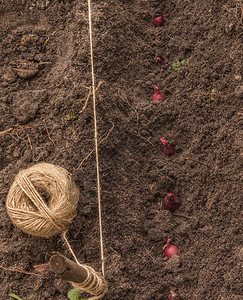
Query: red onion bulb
pixel 174 296
pixel 158 96
pixel 170 250
pixel 168 149
pixel 160 59
pixel 159 21
pixel 171 202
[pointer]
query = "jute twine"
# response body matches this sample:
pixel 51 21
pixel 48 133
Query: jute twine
pixel 42 200
pixel 94 285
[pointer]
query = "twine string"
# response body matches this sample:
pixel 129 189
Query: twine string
pixel 94 284
pixel 69 247
pixel 96 139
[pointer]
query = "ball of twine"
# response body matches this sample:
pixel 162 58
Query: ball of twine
pixel 42 200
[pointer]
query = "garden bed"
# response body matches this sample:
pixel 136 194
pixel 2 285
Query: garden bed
pixel 45 77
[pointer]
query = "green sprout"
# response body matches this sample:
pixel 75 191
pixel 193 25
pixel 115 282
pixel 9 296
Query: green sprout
pixel 17 297
pixel 178 64
pixel 71 116
pixel 74 294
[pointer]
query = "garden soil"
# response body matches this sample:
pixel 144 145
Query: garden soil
pixel 45 78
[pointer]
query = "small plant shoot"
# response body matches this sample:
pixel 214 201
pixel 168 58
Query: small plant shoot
pixel 14 296
pixel 71 116
pixel 73 294
pixel 178 64
pixel 17 297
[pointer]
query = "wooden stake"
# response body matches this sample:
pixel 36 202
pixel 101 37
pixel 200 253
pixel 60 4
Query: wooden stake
pixel 81 276
pixel 67 269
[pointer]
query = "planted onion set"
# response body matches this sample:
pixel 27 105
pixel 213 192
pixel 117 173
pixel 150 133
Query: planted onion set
pixel 171 202
pixel 174 296
pixel 170 250
pixel 167 149
pixel 158 96
pixel 159 59
pixel 159 21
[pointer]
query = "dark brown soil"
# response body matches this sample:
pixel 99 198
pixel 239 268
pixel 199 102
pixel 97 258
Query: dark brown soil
pixel 45 72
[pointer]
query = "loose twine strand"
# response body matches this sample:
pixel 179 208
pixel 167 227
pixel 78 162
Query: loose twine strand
pixel 69 247
pixel 96 139
pixel 95 286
